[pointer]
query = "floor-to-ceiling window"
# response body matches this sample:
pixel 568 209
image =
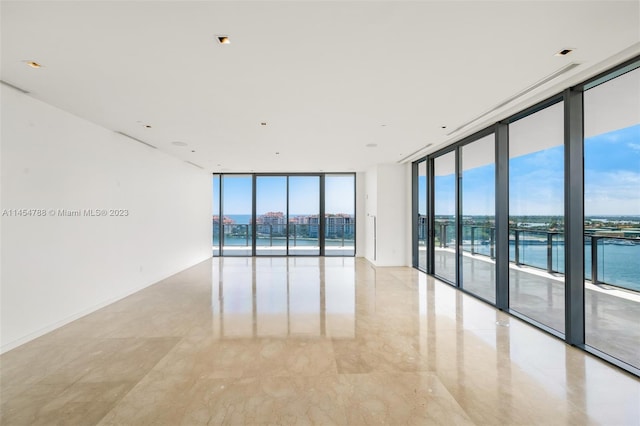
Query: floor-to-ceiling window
pixel 280 215
pixel 539 214
pixel 271 215
pixel 536 216
pixel 216 215
pixel 422 223
pixel 236 215
pixel 478 217
pixel 612 217
pixel 340 214
pixel 304 214
pixel 444 205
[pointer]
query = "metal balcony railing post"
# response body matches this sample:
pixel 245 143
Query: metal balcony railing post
pixel 246 233
pixel 549 252
pixel 343 235
pixel 270 235
pixel 295 235
pixel 473 248
pixel 594 259
pixel 517 246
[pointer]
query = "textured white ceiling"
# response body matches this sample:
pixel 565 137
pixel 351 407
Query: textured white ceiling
pixel 328 78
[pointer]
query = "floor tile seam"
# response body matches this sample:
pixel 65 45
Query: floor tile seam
pixel 66 387
pixel 113 402
pixel 470 414
pixel 150 369
pixel 279 375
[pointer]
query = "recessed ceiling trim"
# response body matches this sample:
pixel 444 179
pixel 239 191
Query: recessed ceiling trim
pixel 519 95
pixel 136 139
pixel 26 92
pixel 194 164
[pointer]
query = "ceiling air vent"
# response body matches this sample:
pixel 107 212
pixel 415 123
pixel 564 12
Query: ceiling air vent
pixel 26 92
pixel 136 139
pixel 194 164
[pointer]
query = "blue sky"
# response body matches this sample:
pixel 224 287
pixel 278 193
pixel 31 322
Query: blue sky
pixel 612 180
pixel 612 173
pixel 304 194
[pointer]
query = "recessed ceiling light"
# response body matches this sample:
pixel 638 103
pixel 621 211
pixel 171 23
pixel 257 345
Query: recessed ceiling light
pixel 223 39
pixel 444 127
pixel 264 123
pixel 179 143
pixel 277 153
pixel 148 126
pixel 371 145
pixel 33 64
pixel 564 52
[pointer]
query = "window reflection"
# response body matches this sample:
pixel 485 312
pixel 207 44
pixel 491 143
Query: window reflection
pixel 281 297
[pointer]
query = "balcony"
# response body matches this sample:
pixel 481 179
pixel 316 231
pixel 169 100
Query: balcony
pixel 536 275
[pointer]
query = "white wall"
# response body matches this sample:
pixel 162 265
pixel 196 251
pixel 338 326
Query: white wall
pixel 56 269
pixel 387 202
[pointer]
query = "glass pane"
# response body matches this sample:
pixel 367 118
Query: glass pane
pixel 216 215
pixel 340 218
pixel 536 216
pixel 445 216
pixel 304 213
pixel 612 217
pixel 271 215
pixel 478 218
pixel 422 216
pixel 236 215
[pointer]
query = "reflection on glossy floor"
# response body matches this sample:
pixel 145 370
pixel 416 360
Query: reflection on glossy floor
pixel 612 316
pixel 307 340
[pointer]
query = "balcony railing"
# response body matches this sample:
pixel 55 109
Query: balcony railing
pixel 270 235
pixel 544 250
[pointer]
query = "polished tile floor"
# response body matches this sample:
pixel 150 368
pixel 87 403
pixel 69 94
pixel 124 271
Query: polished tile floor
pixel 307 341
pixel 612 315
